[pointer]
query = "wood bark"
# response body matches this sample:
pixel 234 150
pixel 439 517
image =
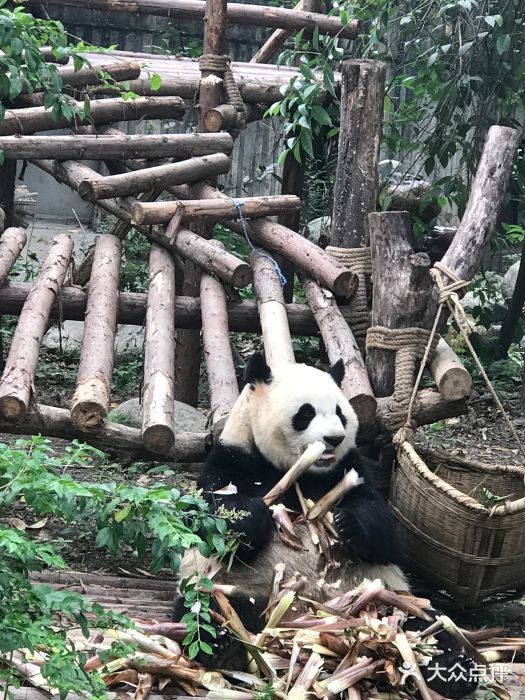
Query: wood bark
pixel 211 84
pixel 160 176
pixel 340 343
pixel 452 379
pixel 513 315
pixel 118 70
pixel 12 241
pixel 101 147
pixel 402 289
pixel 92 396
pixel 212 209
pixel 242 315
pixel 16 385
pixel 32 119
pixel 224 117
pixel 274 43
pixel 222 378
pixel 255 15
pixel 159 351
pixel 206 255
pixel 270 300
pixel 304 254
pixel 109 437
pixel 355 191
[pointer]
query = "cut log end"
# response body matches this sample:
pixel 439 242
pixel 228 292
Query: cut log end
pixel 345 284
pixel 87 191
pixel 242 276
pixel 456 384
pixel 158 439
pixel 12 408
pixel 88 414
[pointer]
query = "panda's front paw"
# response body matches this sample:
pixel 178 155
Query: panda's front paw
pixel 228 652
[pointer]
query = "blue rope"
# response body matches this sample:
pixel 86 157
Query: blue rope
pixel 238 207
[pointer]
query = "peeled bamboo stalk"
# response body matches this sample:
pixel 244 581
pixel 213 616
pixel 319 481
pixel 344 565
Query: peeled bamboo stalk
pixel 222 378
pixel 12 242
pixel 270 301
pixel 305 461
pixel 91 399
pixel 16 385
pixel 212 209
pixel 350 480
pixel 166 175
pixel 157 396
pixel 452 379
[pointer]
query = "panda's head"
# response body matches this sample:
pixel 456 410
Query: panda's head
pixel 284 409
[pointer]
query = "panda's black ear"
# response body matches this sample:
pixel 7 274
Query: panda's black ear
pixel 337 372
pixel 257 370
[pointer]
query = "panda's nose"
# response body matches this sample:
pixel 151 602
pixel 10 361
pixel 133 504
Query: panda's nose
pixel 333 440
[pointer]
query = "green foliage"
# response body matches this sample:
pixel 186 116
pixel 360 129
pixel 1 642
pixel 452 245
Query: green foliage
pixel 198 619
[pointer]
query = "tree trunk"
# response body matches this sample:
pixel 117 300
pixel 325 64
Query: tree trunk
pixel 16 385
pixel 274 322
pixel 222 379
pixel 402 289
pixel 513 315
pixel 32 119
pixel 340 344
pixel 160 176
pixel 256 15
pixel 12 242
pixel 242 315
pixel 355 192
pixel 91 400
pixel 101 147
pixel 213 210
pixel 450 375
pixel 112 438
pixel 304 254
pixel 159 353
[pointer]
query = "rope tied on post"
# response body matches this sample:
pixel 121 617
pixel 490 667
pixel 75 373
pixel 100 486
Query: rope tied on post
pixel 215 63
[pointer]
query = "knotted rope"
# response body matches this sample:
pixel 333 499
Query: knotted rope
pixel 215 63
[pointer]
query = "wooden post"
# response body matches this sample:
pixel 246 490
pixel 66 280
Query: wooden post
pixel 222 379
pixel 159 176
pixel 159 352
pixel 90 402
pixel 270 300
pixel 12 241
pixel 450 375
pixel 16 385
pixel 32 119
pixel 355 192
pixel 340 344
pixel 402 289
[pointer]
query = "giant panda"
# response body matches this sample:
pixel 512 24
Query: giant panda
pixel 280 411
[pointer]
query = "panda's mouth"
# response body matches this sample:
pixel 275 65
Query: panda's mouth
pixel 326 460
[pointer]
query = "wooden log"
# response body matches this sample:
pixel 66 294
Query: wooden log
pixel 274 43
pixel 340 343
pixel 211 84
pixel 452 379
pixel 355 191
pixel 203 253
pixel 304 254
pixel 402 289
pixel 159 176
pixel 270 300
pixel 32 119
pixel 112 438
pixel 16 385
pixel 212 209
pixel 87 75
pixel 100 147
pixel 12 242
pixel 224 117
pixel 253 15
pixel 159 351
pixel 92 396
pixel 222 378
pixel 242 315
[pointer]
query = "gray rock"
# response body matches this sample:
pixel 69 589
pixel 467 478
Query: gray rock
pixel 318 230
pixel 129 338
pixel 509 280
pixel 187 418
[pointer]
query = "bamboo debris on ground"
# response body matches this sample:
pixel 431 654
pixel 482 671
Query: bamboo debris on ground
pixel 92 396
pixel 17 382
pixel 12 241
pixel 159 352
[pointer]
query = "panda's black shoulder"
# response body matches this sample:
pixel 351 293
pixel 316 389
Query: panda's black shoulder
pixel 243 466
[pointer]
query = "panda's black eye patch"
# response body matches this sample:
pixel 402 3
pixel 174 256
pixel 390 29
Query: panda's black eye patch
pixel 340 415
pixel 303 417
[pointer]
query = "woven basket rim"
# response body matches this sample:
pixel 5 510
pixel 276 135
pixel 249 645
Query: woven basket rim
pixel 473 464
pixel 510 507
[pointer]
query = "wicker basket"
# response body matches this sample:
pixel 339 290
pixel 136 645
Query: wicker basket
pixel 448 535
